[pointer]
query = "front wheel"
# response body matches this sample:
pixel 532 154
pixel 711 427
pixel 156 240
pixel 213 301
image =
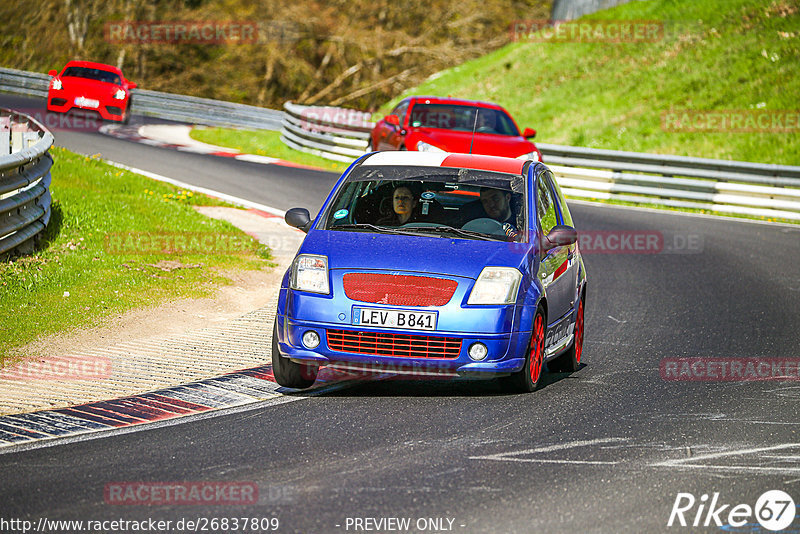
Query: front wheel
pixel 571 359
pixel 126 117
pixel 288 373
pixel 528 378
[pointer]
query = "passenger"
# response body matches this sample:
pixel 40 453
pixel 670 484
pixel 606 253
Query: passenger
pixel 403 204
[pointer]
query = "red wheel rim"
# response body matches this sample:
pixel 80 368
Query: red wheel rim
pixel 537 349
pixel 579 333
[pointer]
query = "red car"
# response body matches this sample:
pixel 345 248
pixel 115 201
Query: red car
pixel 432 124
pixel 91 86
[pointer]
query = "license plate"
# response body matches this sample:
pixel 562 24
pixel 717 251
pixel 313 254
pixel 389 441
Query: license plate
pixel 394 318
pixel 86 102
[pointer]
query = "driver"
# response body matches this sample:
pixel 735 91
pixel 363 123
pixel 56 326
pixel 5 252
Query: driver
pixel 403 204
pixel 497 205
pixel 486 121
pixel 494 204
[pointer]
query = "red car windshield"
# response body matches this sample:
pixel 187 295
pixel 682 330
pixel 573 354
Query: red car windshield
pixel 92 74
pixel 462 118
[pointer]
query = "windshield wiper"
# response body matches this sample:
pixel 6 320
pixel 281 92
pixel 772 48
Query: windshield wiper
pixel 417 230
pixel 458 231
pixel 373 227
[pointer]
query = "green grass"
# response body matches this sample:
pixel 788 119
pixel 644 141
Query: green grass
pixel 75 279
pixel 714 55
pixel 263 143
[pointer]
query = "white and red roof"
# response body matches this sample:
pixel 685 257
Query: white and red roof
pixel 444 159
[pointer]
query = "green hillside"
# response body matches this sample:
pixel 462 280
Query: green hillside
pixel 740 56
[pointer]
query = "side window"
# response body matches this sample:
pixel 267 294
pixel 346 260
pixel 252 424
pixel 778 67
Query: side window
pixel 545 207
pixel 562 203
pixel 400 111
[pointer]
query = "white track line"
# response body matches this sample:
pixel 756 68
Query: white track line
pixel 210 192
pixel 509 456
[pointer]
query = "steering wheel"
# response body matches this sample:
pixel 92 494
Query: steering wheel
pixel 485 225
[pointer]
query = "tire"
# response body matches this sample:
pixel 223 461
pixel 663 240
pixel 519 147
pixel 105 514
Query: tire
pixel 529 377
pixel 126 117
pixel 286 372
pixel 571 359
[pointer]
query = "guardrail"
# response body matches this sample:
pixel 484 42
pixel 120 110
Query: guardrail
pixel 24 181
pixel 168 106
pixel 683 182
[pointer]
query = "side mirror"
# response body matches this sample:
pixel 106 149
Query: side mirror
pixel 132 85
pixel 529 133
pixel 52 72
pixel 560 236
pixel 394 120
pixel 298 218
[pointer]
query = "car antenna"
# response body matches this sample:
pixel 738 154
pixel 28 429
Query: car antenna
pixel 474 126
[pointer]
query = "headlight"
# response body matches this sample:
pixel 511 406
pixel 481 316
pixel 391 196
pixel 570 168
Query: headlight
pixel 120 94
pixel 426 147
pixel 530 155
pixel 496 285
pixel 57 84
pixel 310 273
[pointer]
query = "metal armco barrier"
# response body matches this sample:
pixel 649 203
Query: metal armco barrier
pixel 24 181
pixel 162 105
pixel 319 131
pixel 682 182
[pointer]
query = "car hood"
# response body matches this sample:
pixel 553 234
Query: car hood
pixel 509 146
pixel 434 255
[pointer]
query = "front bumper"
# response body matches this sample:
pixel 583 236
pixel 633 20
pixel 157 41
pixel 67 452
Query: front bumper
pixel 113 110
pixel 506 351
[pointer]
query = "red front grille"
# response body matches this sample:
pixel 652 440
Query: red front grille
pixel 399 290
pixel 398 345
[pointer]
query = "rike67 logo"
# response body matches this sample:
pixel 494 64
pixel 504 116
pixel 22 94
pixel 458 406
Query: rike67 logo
pixel 774 510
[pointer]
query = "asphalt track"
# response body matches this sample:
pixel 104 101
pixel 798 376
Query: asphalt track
pixel 605 449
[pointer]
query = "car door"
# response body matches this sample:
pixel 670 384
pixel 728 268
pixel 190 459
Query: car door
pixel 557 263
pixel 565 217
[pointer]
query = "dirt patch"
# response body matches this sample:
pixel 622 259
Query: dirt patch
pixel 249 290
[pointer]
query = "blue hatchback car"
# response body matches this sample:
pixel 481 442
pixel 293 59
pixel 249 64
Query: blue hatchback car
pixel 434 264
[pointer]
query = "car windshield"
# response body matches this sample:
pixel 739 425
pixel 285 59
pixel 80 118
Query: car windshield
pixel 430 201
pixel 93 74
pixel 462 118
